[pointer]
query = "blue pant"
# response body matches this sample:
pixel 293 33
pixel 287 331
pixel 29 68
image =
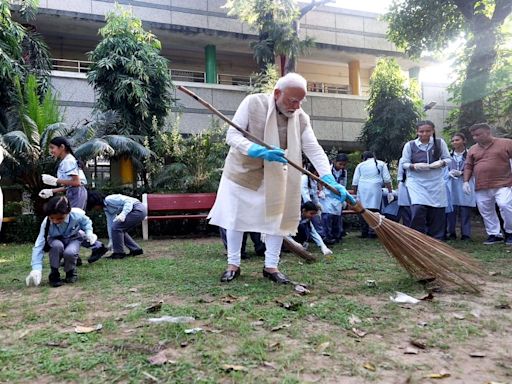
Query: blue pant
pixel 333 226
pixel 429 220
pixel 120 237
pixel 465 220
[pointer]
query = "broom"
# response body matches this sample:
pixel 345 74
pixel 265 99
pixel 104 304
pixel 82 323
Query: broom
pixel 421 256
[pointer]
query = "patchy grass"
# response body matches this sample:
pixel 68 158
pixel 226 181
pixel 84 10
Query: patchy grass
pixel 244 323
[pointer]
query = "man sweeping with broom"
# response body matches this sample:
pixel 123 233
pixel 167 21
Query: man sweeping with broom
pixel 258 192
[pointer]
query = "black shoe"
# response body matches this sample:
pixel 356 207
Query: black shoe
pixel 228 275
pixel 277 277
pixel 79 261
pixel 493 239
pixel 244 256
pixel 117 256
pixel 465 238
pixel 71 276
pixel 54 278
pixel 136 252
pixel 508 238
pixel 97 254
pixel 452 236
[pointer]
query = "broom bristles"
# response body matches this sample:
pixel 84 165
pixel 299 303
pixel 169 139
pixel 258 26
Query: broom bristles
pixel 422 256
pixel 299 250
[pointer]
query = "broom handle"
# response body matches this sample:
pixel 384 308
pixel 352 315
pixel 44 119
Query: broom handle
pixel 256 140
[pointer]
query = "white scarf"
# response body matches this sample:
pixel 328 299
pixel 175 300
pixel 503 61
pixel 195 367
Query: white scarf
pixel 282 182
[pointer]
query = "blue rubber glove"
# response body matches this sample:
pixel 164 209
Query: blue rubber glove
pixel 259 151
pixel 329 179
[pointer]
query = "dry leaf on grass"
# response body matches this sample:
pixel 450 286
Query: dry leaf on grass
pixel 155 307
pixel 236 368
pixel 459 316
pixel 281 326
pixel 477 354
pixel 427 297
pixel 440 375
pixel 369 366
pixel 162 357
pixel 322 347
pixel 359 333
pixel 229 299
pixel 274 347
pixel 419 344
pixel 257 323
pixel 82 329
pixel 410 351
pixel 301 289
pixel 503 306
pixel 133 289
pixel 290 306
pixel 270 365
pixel 59 344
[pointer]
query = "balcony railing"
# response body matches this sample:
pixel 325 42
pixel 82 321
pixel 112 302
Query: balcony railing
pixel 81 66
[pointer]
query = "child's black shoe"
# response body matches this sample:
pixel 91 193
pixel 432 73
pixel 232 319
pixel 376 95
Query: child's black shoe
pixel 71 276
pixel 79 261
pixel 136 252
pixel 117 256
pixel 97 254
pixel 54 278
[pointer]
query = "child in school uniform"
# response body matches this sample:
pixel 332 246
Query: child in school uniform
pixel 61 233
pixel 306 230
pixel 123 213
pixel 70 180
pixel 462 203
pixel 423 159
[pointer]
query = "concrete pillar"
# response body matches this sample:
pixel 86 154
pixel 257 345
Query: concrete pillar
pixel 210 56
pixel 354 77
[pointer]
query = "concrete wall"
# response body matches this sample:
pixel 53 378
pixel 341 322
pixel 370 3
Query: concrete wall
pixel 328 25
pixel 335 118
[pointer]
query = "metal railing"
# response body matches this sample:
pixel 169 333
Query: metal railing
pixel 81 66
pixel 66 65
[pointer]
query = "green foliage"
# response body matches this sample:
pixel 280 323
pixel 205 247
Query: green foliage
pixel 265 81
pixel 24 230
pixel 22 52
pixel 429 25
pixel 130 76
pixel 277 23
pixel 418 26
pixel 393 108
pixel 193 163
pixel 26 141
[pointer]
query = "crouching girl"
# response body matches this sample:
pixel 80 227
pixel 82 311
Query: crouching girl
pixel 123 214
pixel 61 234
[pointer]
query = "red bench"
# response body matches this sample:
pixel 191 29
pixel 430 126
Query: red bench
pixel 185 205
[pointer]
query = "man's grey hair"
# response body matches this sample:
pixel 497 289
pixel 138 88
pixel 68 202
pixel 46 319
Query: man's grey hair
pixel 291 80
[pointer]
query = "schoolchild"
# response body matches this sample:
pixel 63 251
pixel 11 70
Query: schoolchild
pixel 424 159
pixel 70 180
pixel 369 177
pixel 123 213
pixel 306 230
pixel 61 233
pixel 462 203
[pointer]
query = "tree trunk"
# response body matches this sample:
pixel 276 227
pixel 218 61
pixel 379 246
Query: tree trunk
pixel 478 72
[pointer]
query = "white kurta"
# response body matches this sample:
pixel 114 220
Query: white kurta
pixel 243 209
pixel 369 182
pixel 426 187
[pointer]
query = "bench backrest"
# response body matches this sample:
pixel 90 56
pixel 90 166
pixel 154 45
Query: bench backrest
pixel 181 201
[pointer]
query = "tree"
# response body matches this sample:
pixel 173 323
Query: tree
pixel 130 76
pixel 277 23
pixel 22 52
pixel 26 141
pixel 393 108
pixel 429 25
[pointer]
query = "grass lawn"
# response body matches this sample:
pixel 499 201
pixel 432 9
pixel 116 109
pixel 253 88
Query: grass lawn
pixel 253 331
